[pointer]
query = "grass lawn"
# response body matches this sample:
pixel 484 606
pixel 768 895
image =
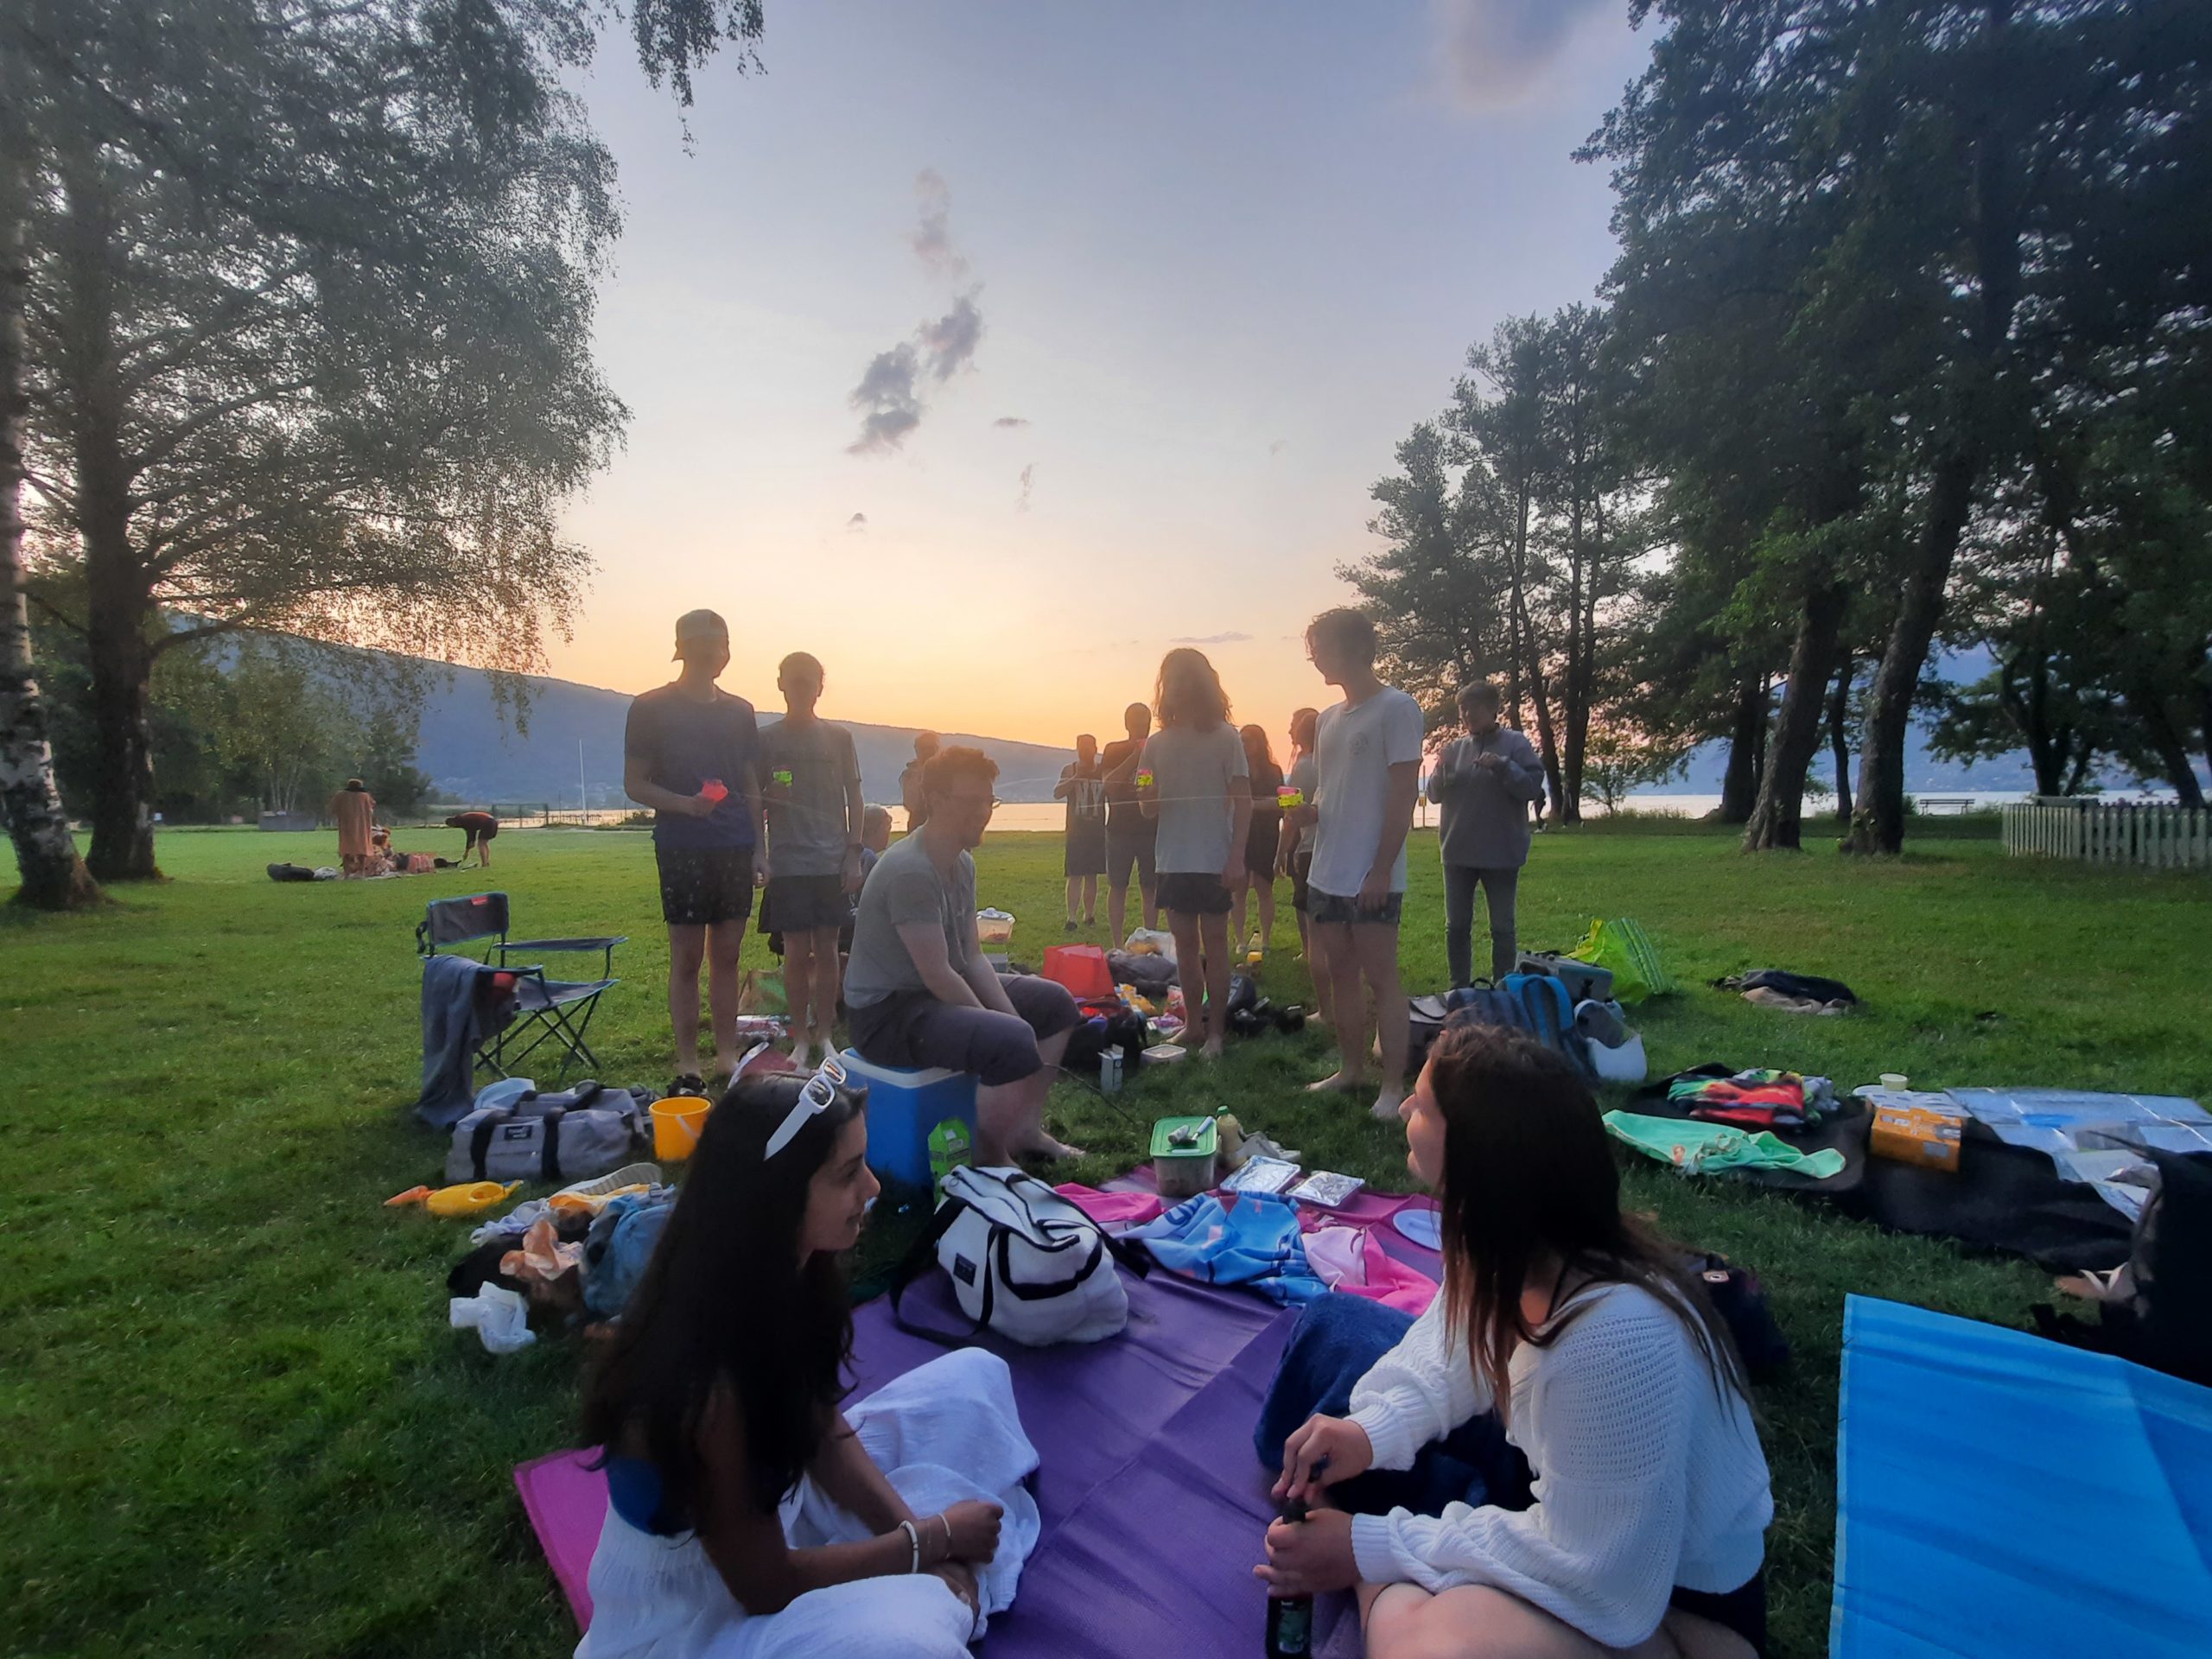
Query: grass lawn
pixel 234 1420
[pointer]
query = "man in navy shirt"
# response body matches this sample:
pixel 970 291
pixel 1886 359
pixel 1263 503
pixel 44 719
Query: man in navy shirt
pixel 691 752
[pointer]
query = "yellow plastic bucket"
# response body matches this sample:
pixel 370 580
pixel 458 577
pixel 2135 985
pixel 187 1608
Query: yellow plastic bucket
pixel 676 1123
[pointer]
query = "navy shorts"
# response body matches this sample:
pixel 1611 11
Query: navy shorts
pixel 913 1028
pixel 1327 910
pixel 1131 838
pixel 804 904
pixel 1194 894
pixel 701 886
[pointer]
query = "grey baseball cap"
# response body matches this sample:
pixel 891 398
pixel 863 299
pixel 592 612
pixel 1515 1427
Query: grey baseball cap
pixel 699 624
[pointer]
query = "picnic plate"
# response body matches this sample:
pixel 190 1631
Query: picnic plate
pixel 1422 1227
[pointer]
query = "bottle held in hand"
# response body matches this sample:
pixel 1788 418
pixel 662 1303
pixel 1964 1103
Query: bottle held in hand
pixel 1290 1619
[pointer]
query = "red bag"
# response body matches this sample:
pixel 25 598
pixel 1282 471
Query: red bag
pixel 1081 968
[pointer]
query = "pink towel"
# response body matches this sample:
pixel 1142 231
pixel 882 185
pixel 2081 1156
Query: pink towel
pixel 567 1504
pixel 1112 1209
pixel 1349 1259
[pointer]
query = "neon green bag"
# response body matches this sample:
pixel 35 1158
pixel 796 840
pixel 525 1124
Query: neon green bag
pixel 1626 949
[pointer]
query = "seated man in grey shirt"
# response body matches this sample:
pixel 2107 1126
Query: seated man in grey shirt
pixel 919 990
pixel 1485 782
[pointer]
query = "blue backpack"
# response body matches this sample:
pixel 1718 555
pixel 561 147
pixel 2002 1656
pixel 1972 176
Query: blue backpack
pixel 1535 1003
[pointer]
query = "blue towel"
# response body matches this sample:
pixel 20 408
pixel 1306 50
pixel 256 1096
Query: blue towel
pixel 2000 1494
pixel 1257 1243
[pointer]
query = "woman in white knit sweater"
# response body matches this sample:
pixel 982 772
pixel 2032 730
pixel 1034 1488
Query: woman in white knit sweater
pixel 1602 1362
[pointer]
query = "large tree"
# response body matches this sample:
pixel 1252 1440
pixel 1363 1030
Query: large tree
pixel 310 292
pixel 1990 180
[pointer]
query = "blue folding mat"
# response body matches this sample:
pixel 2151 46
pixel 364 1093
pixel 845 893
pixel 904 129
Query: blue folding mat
pixel 2001 1496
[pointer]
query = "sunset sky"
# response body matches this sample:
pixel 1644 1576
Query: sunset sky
pixel 986 351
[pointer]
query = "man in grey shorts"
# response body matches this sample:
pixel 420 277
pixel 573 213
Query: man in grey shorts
pixel 919 990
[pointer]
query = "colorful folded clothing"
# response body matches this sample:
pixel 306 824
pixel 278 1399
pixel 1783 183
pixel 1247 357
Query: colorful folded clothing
pixel 1758 1099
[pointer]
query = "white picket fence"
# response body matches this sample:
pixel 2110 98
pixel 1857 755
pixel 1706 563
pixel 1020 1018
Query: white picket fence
pixel 2150 836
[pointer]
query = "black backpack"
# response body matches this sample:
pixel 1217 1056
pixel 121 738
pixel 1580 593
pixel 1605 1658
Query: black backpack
pixel 2160 1311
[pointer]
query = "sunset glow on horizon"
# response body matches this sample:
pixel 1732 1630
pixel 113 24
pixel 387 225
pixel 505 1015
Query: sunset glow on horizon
pixel 986 355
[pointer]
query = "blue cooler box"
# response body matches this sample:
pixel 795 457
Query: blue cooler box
pixel 903 1106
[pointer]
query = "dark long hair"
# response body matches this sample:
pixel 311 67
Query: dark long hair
pixel 1189 693
pixel 726 1304
pixel 1527 1174
pixel 1257 753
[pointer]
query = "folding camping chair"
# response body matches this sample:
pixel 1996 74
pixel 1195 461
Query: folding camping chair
pixel 555 1010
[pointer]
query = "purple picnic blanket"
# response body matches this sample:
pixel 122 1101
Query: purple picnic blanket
pixel 1151 1501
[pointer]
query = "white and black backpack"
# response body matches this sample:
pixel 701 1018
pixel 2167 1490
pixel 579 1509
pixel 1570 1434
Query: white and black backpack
pixel 1023 1261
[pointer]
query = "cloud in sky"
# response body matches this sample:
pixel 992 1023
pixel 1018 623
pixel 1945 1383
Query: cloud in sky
pixel 1275 448
pixel 1493 52
pixel 1028 474
pixel 932 239
pixel 1210 639
pixel 890 396
pixel 951 341
pixel 858 521
pixel 1011 420
pixel 889 405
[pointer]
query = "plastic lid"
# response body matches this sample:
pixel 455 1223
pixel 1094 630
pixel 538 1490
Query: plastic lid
pixel 1204 1143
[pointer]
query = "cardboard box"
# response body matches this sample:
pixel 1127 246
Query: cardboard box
pixel 1912 1134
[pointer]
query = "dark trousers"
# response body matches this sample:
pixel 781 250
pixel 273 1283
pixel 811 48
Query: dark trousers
pixel 1498 886
pixel 1338 1338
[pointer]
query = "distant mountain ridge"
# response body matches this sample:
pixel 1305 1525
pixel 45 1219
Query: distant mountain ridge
pixel 475 752
pixel 472 754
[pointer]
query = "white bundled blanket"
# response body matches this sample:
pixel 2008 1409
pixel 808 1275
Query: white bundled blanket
pixel 943 1432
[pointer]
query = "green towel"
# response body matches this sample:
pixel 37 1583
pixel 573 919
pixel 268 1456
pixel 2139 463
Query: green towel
pixel 1696 1148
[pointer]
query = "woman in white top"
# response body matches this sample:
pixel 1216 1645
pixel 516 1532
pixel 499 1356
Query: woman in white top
pixel 1585 1339
pixel 751 1514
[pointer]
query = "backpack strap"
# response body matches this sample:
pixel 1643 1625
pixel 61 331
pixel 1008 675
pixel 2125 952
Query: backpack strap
pixel 480 1143
pixel 916 1262
pixel 549 1161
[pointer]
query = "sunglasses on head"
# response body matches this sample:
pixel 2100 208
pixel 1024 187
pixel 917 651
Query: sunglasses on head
pixel 815 1096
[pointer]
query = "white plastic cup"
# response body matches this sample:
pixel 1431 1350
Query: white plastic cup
pixel 1894 1080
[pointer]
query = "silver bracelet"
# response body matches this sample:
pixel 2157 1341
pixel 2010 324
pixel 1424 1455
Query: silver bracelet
pixel 914 1542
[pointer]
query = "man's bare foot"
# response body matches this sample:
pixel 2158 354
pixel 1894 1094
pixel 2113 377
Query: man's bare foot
pixel 1337 1084
pixel 803 1056
pixel 1212 1050
pixel 1045 1149
pixel 1387 1102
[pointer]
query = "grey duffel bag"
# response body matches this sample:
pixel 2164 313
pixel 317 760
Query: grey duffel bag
pixel 570 1136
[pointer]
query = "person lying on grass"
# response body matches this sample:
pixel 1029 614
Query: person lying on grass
pixel 749 1517
pixel 1574 1469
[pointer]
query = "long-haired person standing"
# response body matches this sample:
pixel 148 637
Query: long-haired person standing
pixel 1202 798
pixel 1300 781
pixel 1263 845
pixel 1559 1458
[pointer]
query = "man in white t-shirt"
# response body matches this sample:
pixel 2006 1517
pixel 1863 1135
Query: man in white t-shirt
pixel 1367 753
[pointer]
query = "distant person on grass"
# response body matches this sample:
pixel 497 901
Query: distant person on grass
pixel 479 828
pixel 1263 844
pixel 353 809
pixel 1082 787
pixel 1367 756
pixel 1296 857
pixel 691 752
pixel 1484 783
pixel 919 988
pixel 748 1513
pixel 1201 796
pixel 1131 837
pixel 810 786
pixel 911 795
pixel 1558 1459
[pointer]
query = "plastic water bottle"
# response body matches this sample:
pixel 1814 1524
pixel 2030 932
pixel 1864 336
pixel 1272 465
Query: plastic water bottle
pixel 1290 1619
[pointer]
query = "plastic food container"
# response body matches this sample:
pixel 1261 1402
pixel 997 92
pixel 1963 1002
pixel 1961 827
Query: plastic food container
pixel 1184 1151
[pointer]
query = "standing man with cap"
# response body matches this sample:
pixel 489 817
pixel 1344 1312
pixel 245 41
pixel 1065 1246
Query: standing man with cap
pixel 691 752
